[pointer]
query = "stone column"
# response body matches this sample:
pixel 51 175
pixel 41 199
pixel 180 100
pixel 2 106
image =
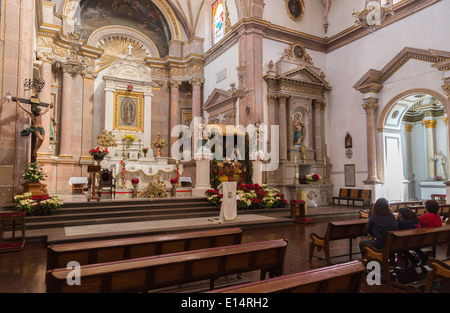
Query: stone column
pixel 283 128
pixel 196 97
pixel 370 105
pixel 174 109
pixel 87 140
pixel 430 129
pixel 409 163
pixel 66 116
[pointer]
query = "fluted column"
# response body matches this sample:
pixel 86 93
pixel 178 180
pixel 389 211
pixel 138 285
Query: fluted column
pixel 283 127
pixel 65 151
pixel 370 105
pixel 174 108
pixel 430 130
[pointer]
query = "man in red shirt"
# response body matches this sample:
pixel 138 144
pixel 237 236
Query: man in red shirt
pixel 431 218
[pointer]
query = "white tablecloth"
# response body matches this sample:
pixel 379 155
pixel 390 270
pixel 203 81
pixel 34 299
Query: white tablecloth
pixel 78 180
pixel 186 180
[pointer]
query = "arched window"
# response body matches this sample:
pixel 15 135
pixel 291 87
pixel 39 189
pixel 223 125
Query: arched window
pixel 218 21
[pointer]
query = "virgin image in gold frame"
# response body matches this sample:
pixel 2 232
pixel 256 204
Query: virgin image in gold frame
pixel 296 9
pixel 128 111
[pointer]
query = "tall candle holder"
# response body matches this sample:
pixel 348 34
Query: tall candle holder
pixel 295 170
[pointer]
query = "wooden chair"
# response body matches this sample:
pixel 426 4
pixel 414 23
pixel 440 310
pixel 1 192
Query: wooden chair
pixel 12 220
pixel 106 180
pixel 336 230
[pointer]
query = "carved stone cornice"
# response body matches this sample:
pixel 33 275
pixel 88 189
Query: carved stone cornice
pixel 370 105
pixel 73 68
pixel 174 83
pixel 197 81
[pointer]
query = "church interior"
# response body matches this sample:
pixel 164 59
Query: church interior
pixel 135 125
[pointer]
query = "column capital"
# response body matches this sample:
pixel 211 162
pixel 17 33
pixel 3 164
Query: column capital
pixel 370 105
pixel 196 81
pixel 409 127
pixel 319 105
pixel 430 123
pixel 174 83
pixel 72 68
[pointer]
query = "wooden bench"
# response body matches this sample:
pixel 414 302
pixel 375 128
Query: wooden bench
pixel 444 210
pixel 144 274
pixel 355 195
pixel 403 204
pixel 342 278
pixel 337 230
pixel 403 240
pixel 439 270
pixel 441 199
pixel 136 247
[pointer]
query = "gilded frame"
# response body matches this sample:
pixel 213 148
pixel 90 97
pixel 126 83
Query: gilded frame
pixel 134 121
pixel 295 9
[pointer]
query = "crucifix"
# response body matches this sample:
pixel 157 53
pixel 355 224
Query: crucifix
pixel 36 128
pixel 129 48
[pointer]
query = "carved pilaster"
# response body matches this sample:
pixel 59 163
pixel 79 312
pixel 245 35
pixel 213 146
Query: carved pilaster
pixel 370 105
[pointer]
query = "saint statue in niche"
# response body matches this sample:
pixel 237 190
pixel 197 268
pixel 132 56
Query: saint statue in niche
pixel 299 128
pixel 128 110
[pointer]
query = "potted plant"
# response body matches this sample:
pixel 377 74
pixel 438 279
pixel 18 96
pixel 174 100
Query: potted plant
pixel 312 178
pixel 98 153
pixel 33 175
pixel 37 205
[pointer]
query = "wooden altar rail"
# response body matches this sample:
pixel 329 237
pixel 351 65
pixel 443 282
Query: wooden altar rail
pixel 144 274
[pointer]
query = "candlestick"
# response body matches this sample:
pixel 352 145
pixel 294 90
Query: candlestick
pixel 295 160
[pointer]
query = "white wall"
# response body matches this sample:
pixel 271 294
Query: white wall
pixel 345 66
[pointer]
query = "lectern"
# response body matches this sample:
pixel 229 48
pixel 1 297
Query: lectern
pixel 93 170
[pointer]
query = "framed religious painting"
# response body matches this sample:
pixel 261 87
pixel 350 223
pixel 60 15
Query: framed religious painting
pixel 296 9
pixel 349 171
pixel 128 111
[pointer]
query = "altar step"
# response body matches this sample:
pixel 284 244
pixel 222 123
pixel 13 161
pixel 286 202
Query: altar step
pixel 120 211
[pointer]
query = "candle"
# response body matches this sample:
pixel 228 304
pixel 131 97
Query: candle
pixel 325 161
pixel 295 160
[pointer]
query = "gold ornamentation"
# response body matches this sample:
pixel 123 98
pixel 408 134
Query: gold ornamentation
pixel 445 120
pixel 370 106
pixel 118 46
pixel 409 127
pixel 430 123
pixel 128 120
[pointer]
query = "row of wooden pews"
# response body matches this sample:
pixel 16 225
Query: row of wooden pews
pixel 142 264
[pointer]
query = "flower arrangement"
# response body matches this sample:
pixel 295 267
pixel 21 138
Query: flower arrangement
pixel 251 196
pixel 98 152
pixel 106 139
pixel 37 205
pixel 145 150
pixel 34 173
pixel 310 178
pixel 154 190
pixel 439 178
pixel 128 138
pixel 159 142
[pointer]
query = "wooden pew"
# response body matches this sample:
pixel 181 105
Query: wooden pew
pixel 144 274
pixel 136 247
pixel 403 204
pixel 439 270
pixel 402 240
pixel 336 230
pixel 342 278
pixel 352 195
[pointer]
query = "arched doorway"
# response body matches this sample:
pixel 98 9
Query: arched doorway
pixel 415 145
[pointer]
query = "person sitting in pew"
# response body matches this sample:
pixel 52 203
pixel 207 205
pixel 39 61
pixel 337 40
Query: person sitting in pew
pixel 431 218
pixel 381 221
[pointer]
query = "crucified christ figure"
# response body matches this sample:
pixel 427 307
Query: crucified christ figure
pixel 36 126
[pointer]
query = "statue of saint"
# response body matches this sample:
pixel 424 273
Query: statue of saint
pixel 36 126
pixel 298 130
pixel 441 167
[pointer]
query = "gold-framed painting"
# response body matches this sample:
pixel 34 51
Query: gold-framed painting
pixel 128 111
pixel 295 9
